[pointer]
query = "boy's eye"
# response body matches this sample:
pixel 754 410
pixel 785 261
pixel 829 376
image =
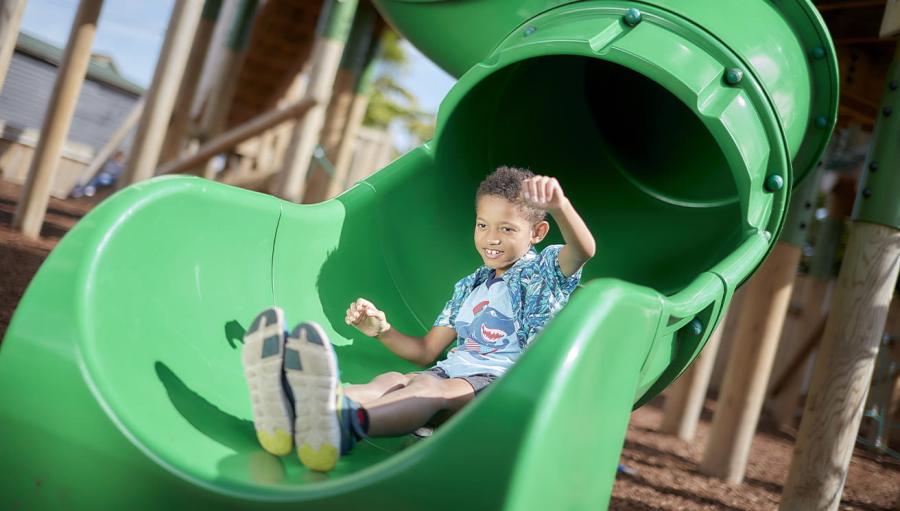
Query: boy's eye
pixel 480 225
pixel 506 229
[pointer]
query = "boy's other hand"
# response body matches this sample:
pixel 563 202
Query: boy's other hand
pixel 363 315
pixel 543 192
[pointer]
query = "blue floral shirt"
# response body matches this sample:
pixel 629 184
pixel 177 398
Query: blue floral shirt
pixel 538 289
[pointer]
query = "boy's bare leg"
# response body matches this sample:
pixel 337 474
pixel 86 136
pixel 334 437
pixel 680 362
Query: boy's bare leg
pixel 409 408
pixel 379 386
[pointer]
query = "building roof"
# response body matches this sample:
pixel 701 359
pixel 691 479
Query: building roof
pixel 101 68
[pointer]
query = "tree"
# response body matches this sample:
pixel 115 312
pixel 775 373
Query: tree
pixel 390 103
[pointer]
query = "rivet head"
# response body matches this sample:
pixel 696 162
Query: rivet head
pixel 802 226
pixel 774 183
pixel 887 111
pixel 528 31
pixel 807 205
pixel 695 326
pixel 867 192
pixel 873 166
pixel 821 121
pixel 632 17
pixel 733 76
pixel 817 53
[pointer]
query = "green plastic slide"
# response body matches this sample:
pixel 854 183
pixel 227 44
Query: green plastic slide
pixel 677 128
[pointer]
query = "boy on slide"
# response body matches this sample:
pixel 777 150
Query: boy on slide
pixel 493 314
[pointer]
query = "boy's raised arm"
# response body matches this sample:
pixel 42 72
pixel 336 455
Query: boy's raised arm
pixel 546 193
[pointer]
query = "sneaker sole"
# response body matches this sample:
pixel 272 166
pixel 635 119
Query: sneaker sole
pixel 263 359
pixel 311 369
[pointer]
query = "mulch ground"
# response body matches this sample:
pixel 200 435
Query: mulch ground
pixel 665 474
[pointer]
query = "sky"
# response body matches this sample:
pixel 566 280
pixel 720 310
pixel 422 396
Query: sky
pixel 132 31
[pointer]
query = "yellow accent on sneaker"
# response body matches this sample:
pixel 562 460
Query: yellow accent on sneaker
pixel 320 460
pixel 278 444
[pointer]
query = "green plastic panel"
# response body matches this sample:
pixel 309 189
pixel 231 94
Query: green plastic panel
pixel 877 199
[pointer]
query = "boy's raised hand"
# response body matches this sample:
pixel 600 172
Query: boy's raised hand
pixel 543 192
pixel 363 315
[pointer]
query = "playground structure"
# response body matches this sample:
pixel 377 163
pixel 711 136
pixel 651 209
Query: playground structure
pixel 679 146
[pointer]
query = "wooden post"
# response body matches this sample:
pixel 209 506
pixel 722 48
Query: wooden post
pixel 756 339
pixel 112 144
pixel 353 63
pixel 181 113
pixel 846 357
pixel 10 19
pixel 758 332
pixel 32 205
pixel 786 388
pixel 843 368
pixel 344 155
pixel 798 344
pixel 221 96
pixel 160 98
pixel 334 27
pixel 685 398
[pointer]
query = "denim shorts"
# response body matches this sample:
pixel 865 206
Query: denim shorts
pixel 477 381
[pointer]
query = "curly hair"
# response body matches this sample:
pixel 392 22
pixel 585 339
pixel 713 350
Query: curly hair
pixel 506 182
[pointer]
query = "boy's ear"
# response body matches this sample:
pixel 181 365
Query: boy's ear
pixel 539 231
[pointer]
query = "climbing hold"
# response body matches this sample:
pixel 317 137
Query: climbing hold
pixel 818 53
pixel 632 17
pixel 528 31
pixel 733 76
pixel 821 121
pixel 774 183
pixel 873 166
pixel 867 192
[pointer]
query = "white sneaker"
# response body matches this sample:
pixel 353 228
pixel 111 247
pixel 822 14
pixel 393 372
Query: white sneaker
pixel 312 374
pixel 263 358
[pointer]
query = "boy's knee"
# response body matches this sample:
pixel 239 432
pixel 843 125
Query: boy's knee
pixel 394 378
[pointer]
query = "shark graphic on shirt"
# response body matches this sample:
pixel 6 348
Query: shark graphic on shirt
pixel 489 332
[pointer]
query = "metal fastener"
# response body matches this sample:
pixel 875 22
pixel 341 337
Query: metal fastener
pixel 633 17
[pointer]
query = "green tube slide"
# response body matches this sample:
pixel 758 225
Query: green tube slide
pixel 677 127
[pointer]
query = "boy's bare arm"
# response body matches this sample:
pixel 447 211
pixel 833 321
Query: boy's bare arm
pixel 418 350
pixel 363 315
pixel 546 193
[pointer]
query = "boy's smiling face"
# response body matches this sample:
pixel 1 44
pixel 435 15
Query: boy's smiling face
pixel 503 234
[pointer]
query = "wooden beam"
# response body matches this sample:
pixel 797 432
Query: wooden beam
pixel 750 362
pixel 161 96
pixel 35 195
pixel 10 19
pixel 237 135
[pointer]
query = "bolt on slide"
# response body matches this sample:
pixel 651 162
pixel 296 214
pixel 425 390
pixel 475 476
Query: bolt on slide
pixel 678 127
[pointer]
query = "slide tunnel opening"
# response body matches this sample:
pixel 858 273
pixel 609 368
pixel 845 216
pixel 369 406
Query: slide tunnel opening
pixel 638 163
